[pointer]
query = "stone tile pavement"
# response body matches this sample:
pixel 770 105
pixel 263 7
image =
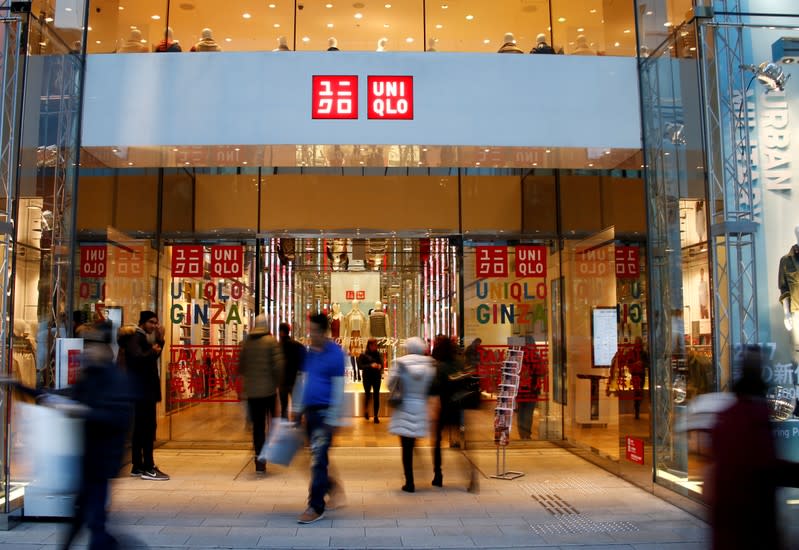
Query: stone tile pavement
pixel 215 499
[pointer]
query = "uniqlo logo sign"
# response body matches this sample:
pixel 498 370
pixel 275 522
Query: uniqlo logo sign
pixel 355 294
pixel 129 261
pixel 492 261
pixel 93 261
pixel 627 265
pixel 390 97
pixel 531 261
pixel 335 97
pixel 187 260
pixel 227 261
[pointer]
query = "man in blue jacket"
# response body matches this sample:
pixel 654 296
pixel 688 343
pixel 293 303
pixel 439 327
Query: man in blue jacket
pixel 318 396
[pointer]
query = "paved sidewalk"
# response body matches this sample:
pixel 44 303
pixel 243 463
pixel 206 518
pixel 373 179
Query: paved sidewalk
pixel 215 499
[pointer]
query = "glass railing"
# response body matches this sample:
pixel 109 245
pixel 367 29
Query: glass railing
pixel 572 27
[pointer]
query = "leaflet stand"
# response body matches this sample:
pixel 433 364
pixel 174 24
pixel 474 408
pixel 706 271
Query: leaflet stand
pixel 503 414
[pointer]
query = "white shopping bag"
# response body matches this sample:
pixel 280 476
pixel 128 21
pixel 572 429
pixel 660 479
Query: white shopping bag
pixel 285 439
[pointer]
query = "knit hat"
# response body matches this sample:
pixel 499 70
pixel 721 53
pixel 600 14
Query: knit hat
pixel 146 315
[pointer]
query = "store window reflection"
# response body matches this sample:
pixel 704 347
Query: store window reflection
pixel 594 27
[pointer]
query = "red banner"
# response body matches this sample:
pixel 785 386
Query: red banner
pixel 93 260
pixel 491 261
pixel 187 260
pixel 204 373
pixel 634 450
pixel 227 261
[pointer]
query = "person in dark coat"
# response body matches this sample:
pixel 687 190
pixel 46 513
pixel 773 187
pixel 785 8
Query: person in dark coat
pixel 103 401
pixel 371 364
pixel 293 357
pixel 745 473
pixel 141 361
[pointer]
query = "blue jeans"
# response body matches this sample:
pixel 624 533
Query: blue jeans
pixel 320 436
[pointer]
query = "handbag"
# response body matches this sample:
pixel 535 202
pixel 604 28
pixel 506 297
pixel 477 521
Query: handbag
pixel 395 392
pixel 285 439
pixel 466 391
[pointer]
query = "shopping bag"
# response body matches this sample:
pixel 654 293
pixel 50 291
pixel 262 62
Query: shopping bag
pixel 285 439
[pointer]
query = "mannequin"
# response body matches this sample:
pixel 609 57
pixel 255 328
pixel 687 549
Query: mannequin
pixel 582 47
pixel 332 45
pixel 133 44
pixel 356 328
pixel 704 295
pixel 335 320
pixel 206 43
pixel 168 44
pixel 788 281
pixel 282 45
pixel 381 44
pixel 509 45
pixel 701 223
pixel 431 44
pixel 378 322
pixel 541 45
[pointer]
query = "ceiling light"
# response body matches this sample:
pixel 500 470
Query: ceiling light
pixel 590 164
pixel 272 6
pixel 592 10
pixel 388 6
pixel 276 25
pixel 548 151
pixel 90 28
pixel 115 150
pixel 187 163
pixel 155 17
pixel 98 42
pixel 535 164
pixel 130 164
pixel 616 44
pixel 561 19
pixel 358 15
pixel 246 15
pixel 237 149
pixel 228 39
pixel 486 41
pixel 439 26
pixel 244 162
pixel 120 8
pixel 627 31
pixel 469 17
pixel 67 9
pixel 477 164
pixel 330 25
pixel 409 40
pixel 48 19
pixel 486 150
pixel 580 29
pixel 649 12
pixel 770 75
pixel 328 6
pixel 143 41
pixel 386 25
pixel 444 6
pixel 174 149
pixel 306 39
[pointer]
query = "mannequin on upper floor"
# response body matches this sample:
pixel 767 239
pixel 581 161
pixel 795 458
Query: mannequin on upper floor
pixel 509 44
pixel 168 44
pixel 133 44
pixel 381 44
pixel 332 45
pixel 282 45
pixel 206 43
pixel 378 322
pixel 788 282
pixel 582 47
pixel 541 45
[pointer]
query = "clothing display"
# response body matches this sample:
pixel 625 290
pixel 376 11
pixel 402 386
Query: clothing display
pixel 206 43
pixel 704 297
pixel 700 221
pixel 378 324
pixel 788 278
pixel 509 47
pixel 335 327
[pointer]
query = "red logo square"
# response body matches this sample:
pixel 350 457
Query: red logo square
pixel 187 260
pixel 390 97
pixel 227 261
pixel 129 261
pixel 627 265
pixel 334 97
pixel 349 295
pixel 360 295
pixel 93 261
pixel 531 261
pixel 492 261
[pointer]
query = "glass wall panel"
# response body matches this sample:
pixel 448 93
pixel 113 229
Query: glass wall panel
pixel 126 26
pixel 657 19
pixel 593 27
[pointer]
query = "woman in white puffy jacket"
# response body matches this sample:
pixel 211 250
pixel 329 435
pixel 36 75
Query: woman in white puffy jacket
pixel 414 372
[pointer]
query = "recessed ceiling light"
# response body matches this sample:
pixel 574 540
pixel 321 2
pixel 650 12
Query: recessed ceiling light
pixel 155 17
pixel 590 164
pixel 98 42
pixel 692 48
pixel 409 40
pixel 386 25
pixel 549 150
pixel 330 25
pixel 561 19
pixel 328 6
pixel 244 162
pixel 616 44
pixel 439 26
pixel 246 15
pixel 627 31
pixel 272 6
pixel 469 17
pixel 174 149
pixel 580 29
pixel 486 41
pixel 358 15
pixel 130 164
pixel 486 150
pixel 477 164
pixel 143 41
pixel 228 39
pixel 187 163
pixel 535 164
pixel 306 39
pixel 120 8
pixel 444 6
pixel 592 10
pixel 607 152
pixel 388 6
pixel 237 149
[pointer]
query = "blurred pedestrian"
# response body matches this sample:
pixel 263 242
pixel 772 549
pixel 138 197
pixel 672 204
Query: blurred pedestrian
pixel 414 372
pixel 472 355
pixel 102 391
pixel 370 363
pixel 745 473
pixel 445 355
pixel 317 398
pixel 261 369
pixel 141 361
pixel 293 357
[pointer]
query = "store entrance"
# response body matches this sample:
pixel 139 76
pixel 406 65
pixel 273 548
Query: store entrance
pixel 382 288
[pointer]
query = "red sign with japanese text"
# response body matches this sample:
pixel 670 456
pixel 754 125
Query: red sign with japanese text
pixel 491 261
pixel 187 260
pixel 227 261
pixel 93 261
pixel 627 265
pixel 334 97
pixel 204 373
pixel 390 97
pixel 129 261
pixel 73 365
pixel 531 261
pixel 635 450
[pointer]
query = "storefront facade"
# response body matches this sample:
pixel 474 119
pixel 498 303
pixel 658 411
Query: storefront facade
pixel 433 184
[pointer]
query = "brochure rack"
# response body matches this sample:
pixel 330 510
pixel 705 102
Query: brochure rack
pixel 503 413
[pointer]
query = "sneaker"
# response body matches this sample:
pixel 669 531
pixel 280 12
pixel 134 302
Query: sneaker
pixel 309 516
pixel 135 472
pixel 154 475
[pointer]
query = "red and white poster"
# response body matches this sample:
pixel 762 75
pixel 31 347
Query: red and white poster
pixel 635 450
pixel 129 261
pixel 187 260
pixel 334 97
pixel 491 261
pixel 93 261
pixel 227 261
pixel 531 261
pixel 390 97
